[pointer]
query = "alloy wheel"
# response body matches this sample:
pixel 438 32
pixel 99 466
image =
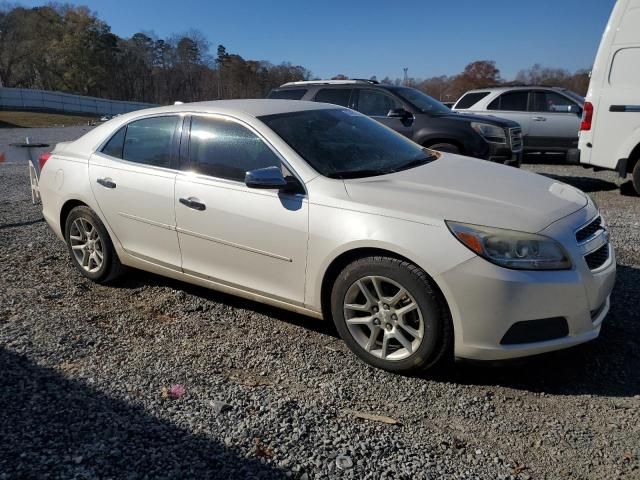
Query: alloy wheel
pixel 383 318
pixel 86 245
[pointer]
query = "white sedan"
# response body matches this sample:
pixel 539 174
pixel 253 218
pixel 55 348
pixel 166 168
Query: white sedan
pixel 415 255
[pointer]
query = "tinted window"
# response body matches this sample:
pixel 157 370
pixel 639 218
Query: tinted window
pixel 226 149
pixel 552 102
pixel 113 148
pixel 337 96
pixel 376 104
pixel 470 99
pixel 341 143
pixel 421 101
pixel 149 141
pixel 512 101
pixel 289 94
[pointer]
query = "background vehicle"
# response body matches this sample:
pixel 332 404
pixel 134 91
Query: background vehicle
pixel 417 116
pixel 549 116
pixel 409 251
pixel 610 129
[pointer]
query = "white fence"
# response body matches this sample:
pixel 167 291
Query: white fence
pixel 58 102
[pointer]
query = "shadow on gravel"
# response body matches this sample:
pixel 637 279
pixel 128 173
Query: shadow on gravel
pixel 627 189
pixel 138 278
pixel 607 366
pixel 586 184
pixel 55 427
pixel 21 224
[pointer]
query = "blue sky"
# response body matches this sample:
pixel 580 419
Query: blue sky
pixel 360 39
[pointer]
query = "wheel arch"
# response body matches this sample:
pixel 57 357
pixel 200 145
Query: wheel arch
pixel 66 209
pixel 345 258
pixel 633 158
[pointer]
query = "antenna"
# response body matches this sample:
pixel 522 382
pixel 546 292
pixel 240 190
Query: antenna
pixel 406 76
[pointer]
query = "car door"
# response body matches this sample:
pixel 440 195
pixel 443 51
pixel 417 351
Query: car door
pixel 241 237
pixel 376 104
pixel 555 121
pixel 513 106
pixel 133 180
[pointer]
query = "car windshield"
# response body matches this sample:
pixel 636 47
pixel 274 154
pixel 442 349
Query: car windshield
pixel 422 101
pixel 575 96
pixel 342 143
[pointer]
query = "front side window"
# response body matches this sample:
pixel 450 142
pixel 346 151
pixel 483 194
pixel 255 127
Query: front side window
pixel 336 96
pixel 511 101
pixel 225 149
pixel 376 104
pixel 421 101
pixel 552 102
pixel 149 141
pixel 341 143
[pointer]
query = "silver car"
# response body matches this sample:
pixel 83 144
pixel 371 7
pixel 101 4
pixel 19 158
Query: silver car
pixel 415 255
pixel 549 116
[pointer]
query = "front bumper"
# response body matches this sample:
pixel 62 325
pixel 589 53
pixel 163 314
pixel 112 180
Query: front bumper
pixel 486 301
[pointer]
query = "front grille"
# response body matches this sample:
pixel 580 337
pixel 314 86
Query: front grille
pixel 515 139
pixel 598 257
pixel 588 231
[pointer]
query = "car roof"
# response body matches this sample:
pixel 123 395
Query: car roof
pixel 504 88
pixel 252 107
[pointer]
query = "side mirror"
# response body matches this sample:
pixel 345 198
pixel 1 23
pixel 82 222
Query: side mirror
pixel 270 178
pixel 398 113
pixel 575 109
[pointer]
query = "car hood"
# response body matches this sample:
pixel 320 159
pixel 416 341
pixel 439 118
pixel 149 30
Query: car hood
pixel 468 190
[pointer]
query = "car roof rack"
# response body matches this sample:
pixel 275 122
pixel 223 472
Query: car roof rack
pixel 529 85
pixel 330 82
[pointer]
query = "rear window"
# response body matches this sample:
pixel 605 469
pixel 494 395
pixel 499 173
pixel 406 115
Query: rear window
pixel 470 99
pixel 288 94
pixel 337 96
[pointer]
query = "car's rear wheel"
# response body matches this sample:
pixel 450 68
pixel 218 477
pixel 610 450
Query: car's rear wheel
pixel 90 246
pixel 388 312
pixel 445 147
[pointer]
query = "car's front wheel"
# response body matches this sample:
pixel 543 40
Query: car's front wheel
pixel 388 312
pixel 90 246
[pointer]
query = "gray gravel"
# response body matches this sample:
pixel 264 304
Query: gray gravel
pixel 86 373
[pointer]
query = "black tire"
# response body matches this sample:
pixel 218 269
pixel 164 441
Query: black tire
pixel 111 267
pixel 437 340
pixel 635 177
pixel 445 147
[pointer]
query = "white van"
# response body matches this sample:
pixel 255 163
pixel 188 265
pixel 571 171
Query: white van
pixel 610 127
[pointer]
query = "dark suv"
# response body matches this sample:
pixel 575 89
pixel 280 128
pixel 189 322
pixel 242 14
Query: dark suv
pixel 417 116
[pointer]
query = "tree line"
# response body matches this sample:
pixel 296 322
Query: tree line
pixel 67 48
pixel 484 73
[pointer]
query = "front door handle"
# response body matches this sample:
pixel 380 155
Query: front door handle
pixel 193 203
pixel 539 119
pixel 106 182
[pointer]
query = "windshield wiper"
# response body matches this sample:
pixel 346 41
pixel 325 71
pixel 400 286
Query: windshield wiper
pixel 344 174
pixel 416 163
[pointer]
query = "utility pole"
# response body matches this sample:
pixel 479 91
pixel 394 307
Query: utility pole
pixel 406 76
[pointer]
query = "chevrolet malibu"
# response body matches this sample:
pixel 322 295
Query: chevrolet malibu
pixel 415 255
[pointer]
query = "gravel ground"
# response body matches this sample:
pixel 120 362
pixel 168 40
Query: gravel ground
pixel 86 373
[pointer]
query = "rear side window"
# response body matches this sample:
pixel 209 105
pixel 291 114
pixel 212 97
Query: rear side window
pixel 511 101
pixel 114 146
pixel 470 99
pixel 289 94
pixel 226 149
pixel 149 141
pixel 625 68
pixel 337 96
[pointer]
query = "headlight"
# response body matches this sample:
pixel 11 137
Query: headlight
pixel 512 249
pixel 489 132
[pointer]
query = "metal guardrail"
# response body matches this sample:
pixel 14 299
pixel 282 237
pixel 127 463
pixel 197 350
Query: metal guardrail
pixel 58 102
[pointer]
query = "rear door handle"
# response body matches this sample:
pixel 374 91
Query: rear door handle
pixel 539 119
pixel 193 203
pixel 106 182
